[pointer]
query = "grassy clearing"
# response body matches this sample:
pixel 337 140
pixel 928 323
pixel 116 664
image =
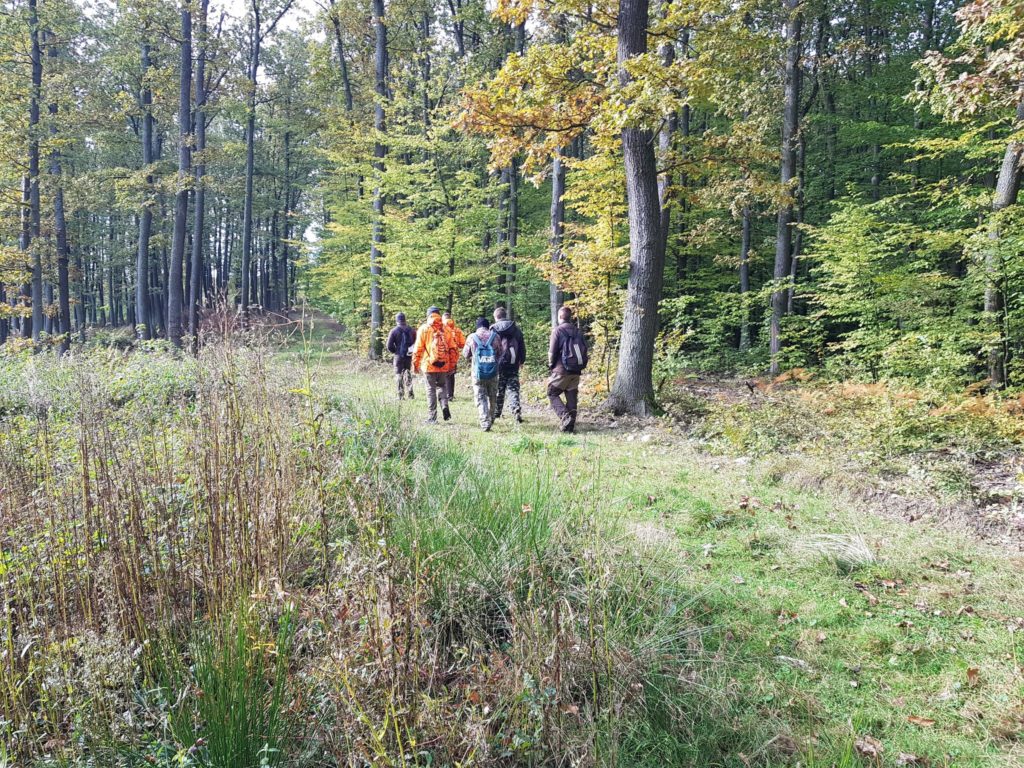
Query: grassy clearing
pixel 832 626
pixel 236 568
pixel 183 538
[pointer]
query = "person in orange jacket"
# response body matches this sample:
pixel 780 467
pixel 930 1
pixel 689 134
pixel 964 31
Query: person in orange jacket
pixel 434 355
pixel 460 341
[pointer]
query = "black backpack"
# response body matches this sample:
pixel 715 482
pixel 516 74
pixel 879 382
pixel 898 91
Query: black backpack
pixel 510 357
pixel 573 348
pixel 406 338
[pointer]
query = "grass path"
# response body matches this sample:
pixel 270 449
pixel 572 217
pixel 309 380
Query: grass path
pixel 910 656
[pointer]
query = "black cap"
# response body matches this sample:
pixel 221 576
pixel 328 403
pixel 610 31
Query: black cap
pixel 482 322
pixel 400 317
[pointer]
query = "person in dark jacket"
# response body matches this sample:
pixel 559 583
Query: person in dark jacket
pixel 561 381
pixel 510 363
pixel 400 343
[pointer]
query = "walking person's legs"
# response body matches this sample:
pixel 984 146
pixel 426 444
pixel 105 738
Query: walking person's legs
pixel 515 402
pixel 571 402
pixel 450 385
pixel 408 381
pixel 492 400
pixel 502 384
pixel 430 383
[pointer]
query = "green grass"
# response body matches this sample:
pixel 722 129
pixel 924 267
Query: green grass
pixel 812 654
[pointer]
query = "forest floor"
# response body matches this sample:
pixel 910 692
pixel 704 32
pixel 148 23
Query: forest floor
pixel 849 622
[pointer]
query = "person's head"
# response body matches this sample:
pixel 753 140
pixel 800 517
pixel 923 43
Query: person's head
pixel 565 315
pixel 400 318
pixel 433 311
pixel 500 313
pixel 446 316
pixel 482 322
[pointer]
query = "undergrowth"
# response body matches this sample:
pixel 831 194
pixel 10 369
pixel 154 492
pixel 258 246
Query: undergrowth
pixel 206 565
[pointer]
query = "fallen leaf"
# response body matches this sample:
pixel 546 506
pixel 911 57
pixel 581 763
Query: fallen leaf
pixel 973 677
pixel 821 637
pixel 906 758
pixel 868 746
pixel 923 722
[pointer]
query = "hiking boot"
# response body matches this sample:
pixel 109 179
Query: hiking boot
pixel 446 413
pixel 497 415
pixel 565 423
pixel 430 420
pixel 519 418
pixel 487 426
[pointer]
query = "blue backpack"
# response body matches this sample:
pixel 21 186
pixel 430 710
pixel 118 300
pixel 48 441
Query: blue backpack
pixel 485 361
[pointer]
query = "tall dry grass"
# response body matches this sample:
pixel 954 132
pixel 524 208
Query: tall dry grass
pixel 165 517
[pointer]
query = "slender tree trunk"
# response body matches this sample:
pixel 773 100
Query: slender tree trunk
pixel 342 62
pixel 745 282
pixel 33 173
pixel 198 229
pixel 250 161
pixel 1007 189
pixel 142 316
pixel 557 232
pixel 787 166
pixel 633 391
pixel 379 151
pixel 175 287
pixel 60 228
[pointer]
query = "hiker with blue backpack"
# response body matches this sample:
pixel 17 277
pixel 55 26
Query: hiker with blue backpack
pixel 400 343
pixel 484 347
pixel 567 357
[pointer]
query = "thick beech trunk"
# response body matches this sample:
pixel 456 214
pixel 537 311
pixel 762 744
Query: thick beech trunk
pixel 633 391
pixel 787 171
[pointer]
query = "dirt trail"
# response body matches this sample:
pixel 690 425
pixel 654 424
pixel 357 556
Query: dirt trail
pixel 990 511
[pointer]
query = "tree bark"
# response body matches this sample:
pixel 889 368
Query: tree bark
pixel 787 169
pixel 342 62
pixel 1007 189
pixel 175 286
pixel 379 151
pixel 198 228
pixel 142 317
pixel 633 391
pixel 557 232
pixel 33 173
pixel 250 161
pixel 60 230
pixel 745 281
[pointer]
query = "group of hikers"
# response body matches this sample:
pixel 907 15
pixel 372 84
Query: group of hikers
pixel 497 352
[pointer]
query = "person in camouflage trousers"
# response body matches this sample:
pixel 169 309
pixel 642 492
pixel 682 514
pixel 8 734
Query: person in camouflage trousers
pixel 510 363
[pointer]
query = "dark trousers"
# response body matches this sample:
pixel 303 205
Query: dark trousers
pixel 450 384
pixel 568 385
pixel 508 386
pixel 403 376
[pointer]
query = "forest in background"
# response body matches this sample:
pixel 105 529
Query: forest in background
pixel 728 187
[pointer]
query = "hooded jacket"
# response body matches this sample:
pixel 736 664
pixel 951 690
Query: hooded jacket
pixel 402 332
pixel 423 336
pixel 482 335
pixel 514 345
pixel 457 333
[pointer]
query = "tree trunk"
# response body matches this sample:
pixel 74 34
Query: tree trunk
pixel 198 228
pixel 745 282
pixel 33 173
pixel 142 317
pixel 1007 188
pixel 557 232
pixel 379 151
pixel 633 391
pixel 787 167
pixel 342 63
pixel 175 287
pixel 60 230
pixel 250 161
